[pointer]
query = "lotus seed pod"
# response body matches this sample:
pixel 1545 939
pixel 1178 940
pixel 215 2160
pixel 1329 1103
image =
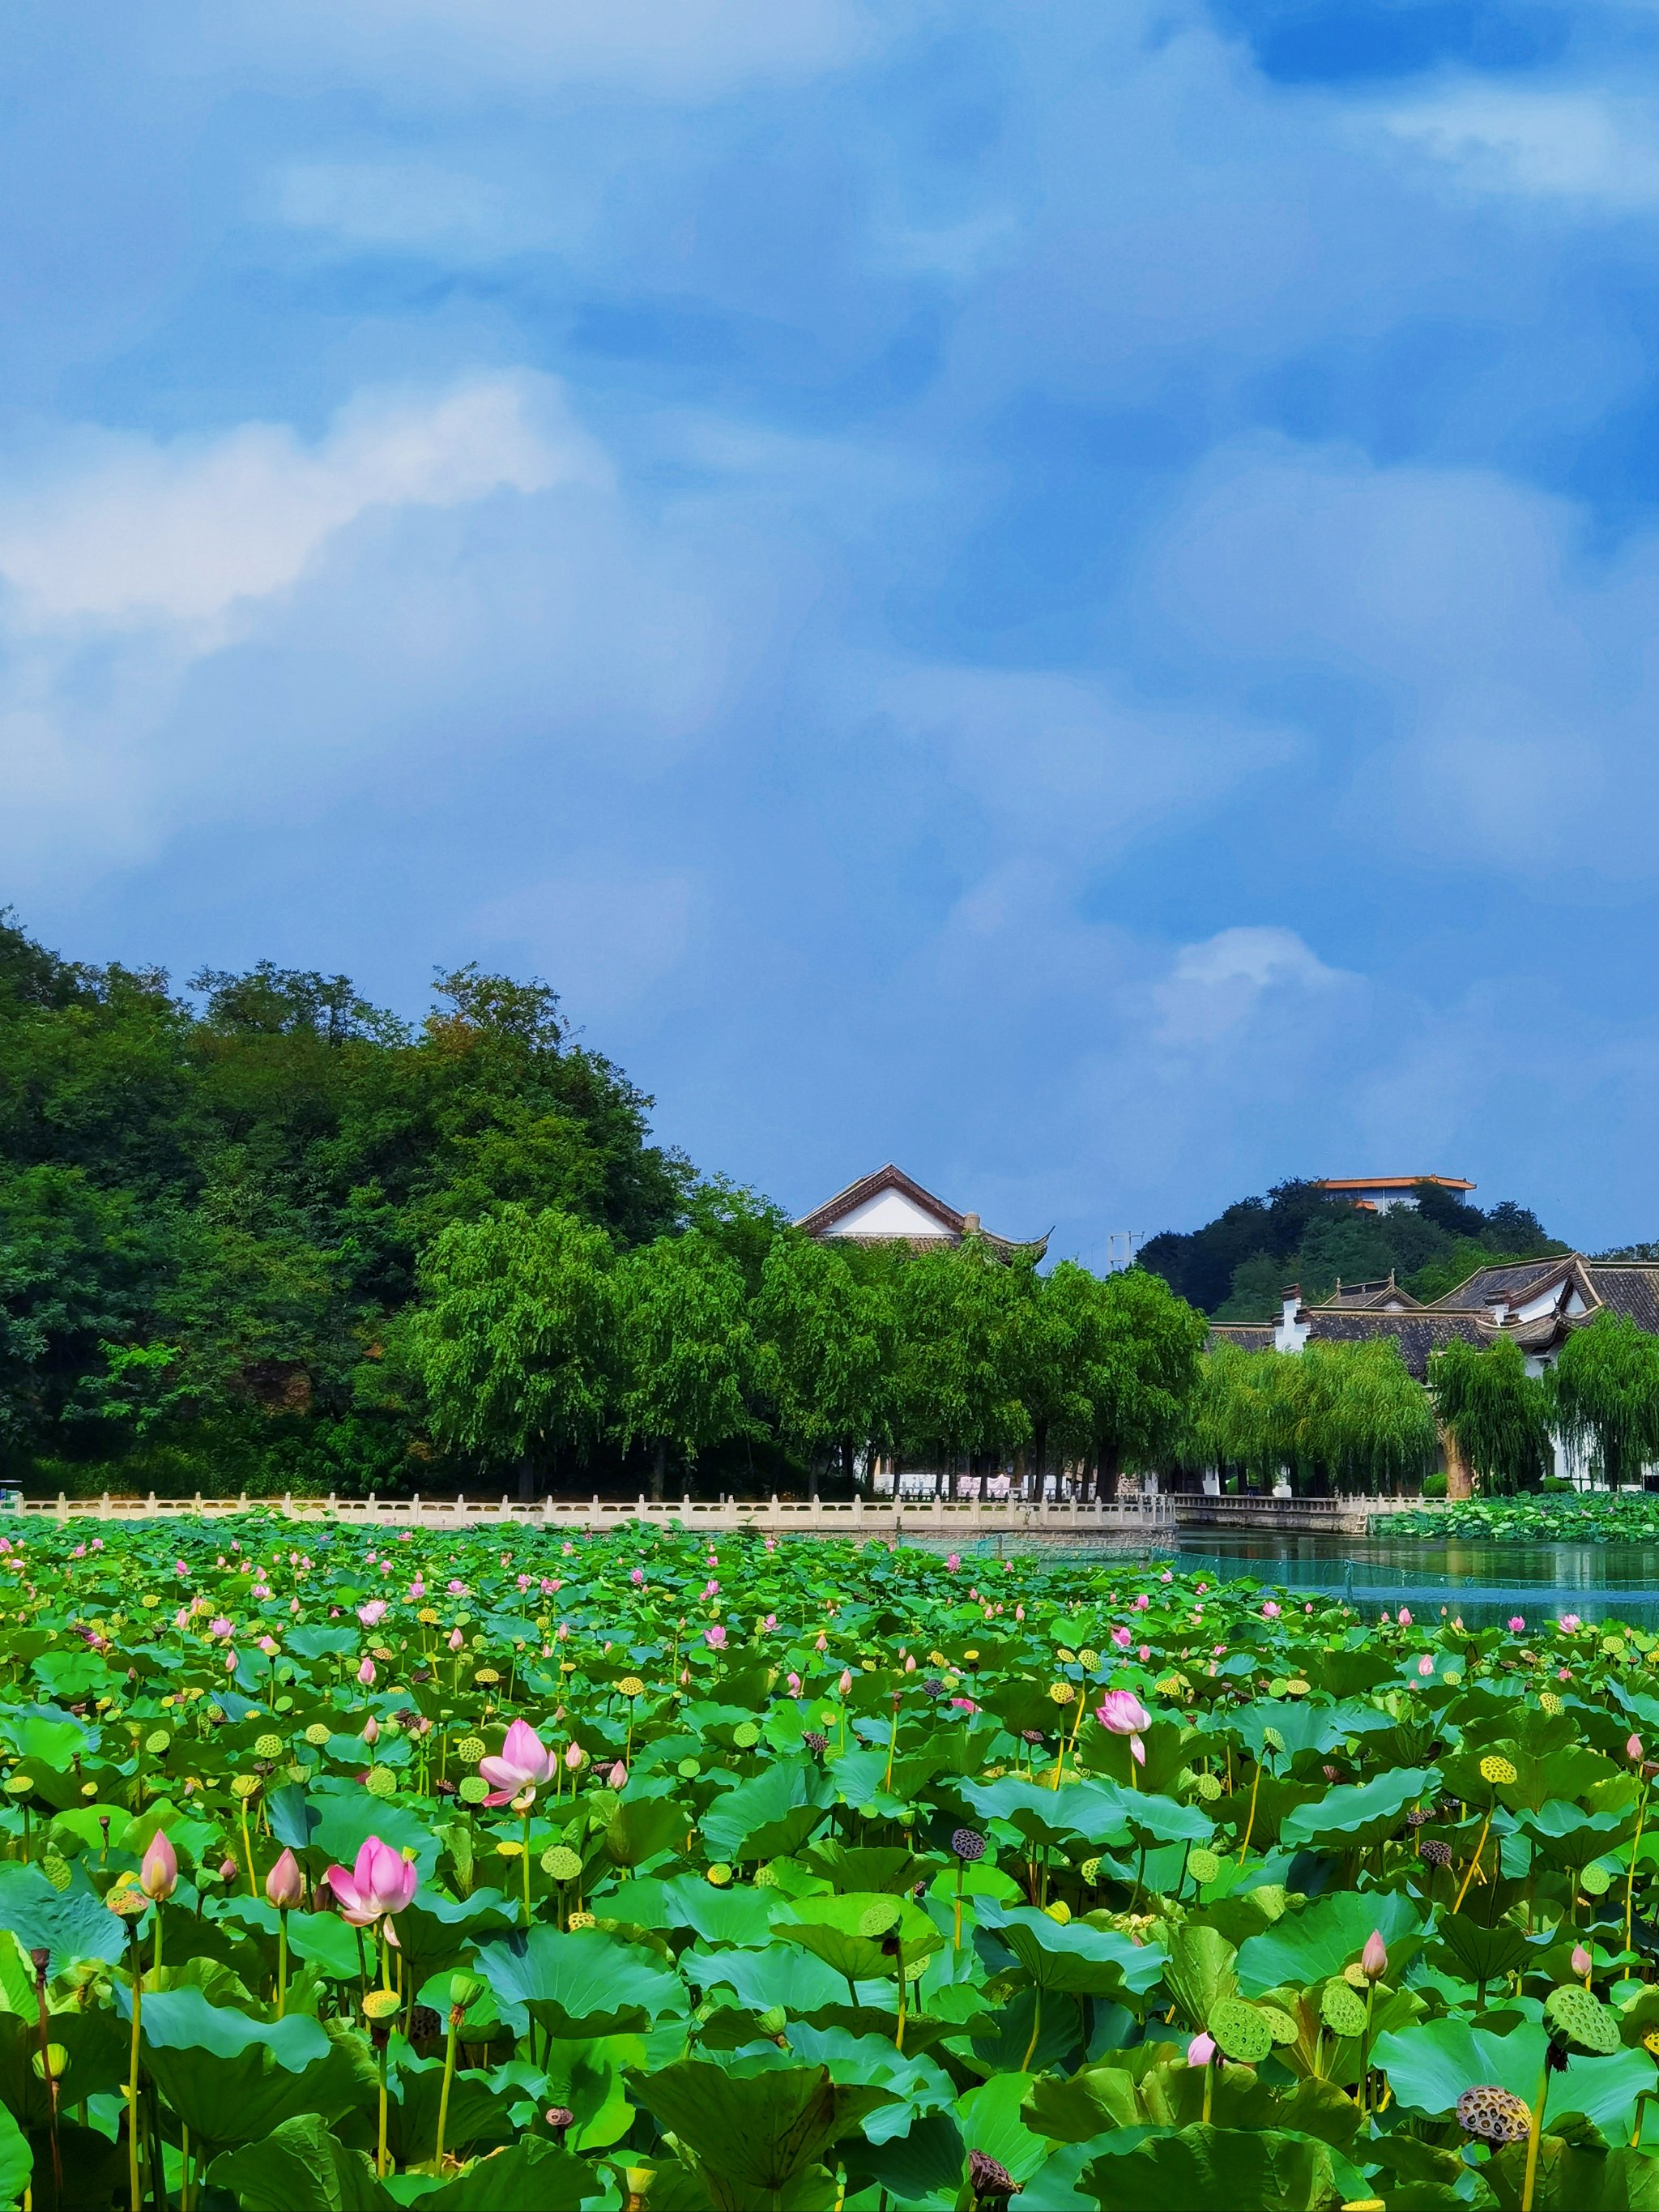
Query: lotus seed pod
pixel 1490 2115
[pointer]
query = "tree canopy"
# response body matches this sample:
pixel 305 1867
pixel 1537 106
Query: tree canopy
pixel 1236 1266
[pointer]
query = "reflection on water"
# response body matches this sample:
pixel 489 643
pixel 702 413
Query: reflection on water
pixel 1482 1583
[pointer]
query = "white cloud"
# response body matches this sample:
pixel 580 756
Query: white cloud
pixel 1498 665
pixel 1217 987
pixel 1060 763
pixel 1550 143
pixel 129 531
pixel 450 49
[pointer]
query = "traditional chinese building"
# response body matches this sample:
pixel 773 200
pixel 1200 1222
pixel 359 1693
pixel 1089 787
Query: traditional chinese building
pixel 891 1207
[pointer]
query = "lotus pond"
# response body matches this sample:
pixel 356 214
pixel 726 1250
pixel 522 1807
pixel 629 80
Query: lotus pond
pixel 628 1874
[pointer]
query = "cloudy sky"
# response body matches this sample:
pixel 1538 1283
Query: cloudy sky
pixel 1061 592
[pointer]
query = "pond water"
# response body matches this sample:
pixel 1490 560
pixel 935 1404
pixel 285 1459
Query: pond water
pixel 1482 1583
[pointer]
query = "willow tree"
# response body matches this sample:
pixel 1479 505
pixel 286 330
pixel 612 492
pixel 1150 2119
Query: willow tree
pixel 515 1337
pixel 692 1362
pixel 1335 1416
pixel 828 1333
pixel 1605 1390
pixel 1496 1416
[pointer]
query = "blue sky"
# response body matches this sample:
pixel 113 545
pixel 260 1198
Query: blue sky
pixel 1067 595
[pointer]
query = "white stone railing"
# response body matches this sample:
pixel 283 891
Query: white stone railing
pixel 964 1518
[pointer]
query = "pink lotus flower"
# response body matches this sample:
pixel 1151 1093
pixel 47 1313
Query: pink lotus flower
pixel 1572 1623
pixel 158 1876
pixel 953 1564
pixel 365 1673
pixel 524 1762
pixel 373 1612
pixel 1374 1958
pixel 1270 1610
pixel 715 1638
pixel 637 1577
pixel 285 1885
pixel 1121 1713
pixel 1121 1637
pixel 456 1639
pixel 268 1645
pixel 1166 1576
pixel 382 1881
pixel 770 1623
pixel 1200 2051
pixel 1633 1747
pixel 771 1543
pixel 1516 1624
pixel 220 1626
pixel 1426 1665
pixel 1142 1602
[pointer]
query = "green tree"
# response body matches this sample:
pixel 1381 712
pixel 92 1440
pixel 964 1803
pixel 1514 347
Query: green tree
pixel 1333 1416
pixel 831 1334
pixel 691 1358
pixel 1605 1393
pixel 1144 1353
pixel 515 1339
pixel 78 1268
pixel 1496 1416
pixel 958 1379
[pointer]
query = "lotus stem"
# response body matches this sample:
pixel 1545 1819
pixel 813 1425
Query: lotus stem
pixel 443 2095
pixel 1036 2027
pixel 132 2075
pixel 1249 1825
pixel 281 1962
pixel 1468 1871
pixel 1534 2133
pixel 1630 1879
pixel 898 2033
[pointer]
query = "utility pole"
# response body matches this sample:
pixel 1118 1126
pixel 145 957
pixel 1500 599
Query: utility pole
pixel 1121 1245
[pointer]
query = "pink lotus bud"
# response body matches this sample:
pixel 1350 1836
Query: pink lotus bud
pixel 230 1663
pixel 910 1664
pixel 637 1577
pixel 1405 1617
pixel 574 1757
pixel 619 1777
pixel 1581 1961
pixel 846 1682
pixel 953 1564
pixel 371 1730
pixel 794 1683
pixel 1202 2049
pixel 1633 1748
pixel 1374 1958
pixel 158 1876
pixel 821 1644
pixel 226 1867
pixel 284 1886
pixel 1426 1665
pixel 456 1639
pixel 1516 1624
pixel 365 1673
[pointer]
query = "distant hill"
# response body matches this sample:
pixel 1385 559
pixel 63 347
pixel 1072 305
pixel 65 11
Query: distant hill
pixel 1235 1267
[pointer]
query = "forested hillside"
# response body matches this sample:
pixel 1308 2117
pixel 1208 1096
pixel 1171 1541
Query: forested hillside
pixel 261 1235
pixel 1236 1266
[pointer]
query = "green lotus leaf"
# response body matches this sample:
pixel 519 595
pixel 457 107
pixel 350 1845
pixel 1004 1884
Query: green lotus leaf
pixel 585 1983
pixel 1210 2169
pixel 299 2166
pixel 1353 1815
pixel 754 2132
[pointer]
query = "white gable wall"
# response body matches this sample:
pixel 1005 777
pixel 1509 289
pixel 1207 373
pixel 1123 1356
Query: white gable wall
pixel 889 1213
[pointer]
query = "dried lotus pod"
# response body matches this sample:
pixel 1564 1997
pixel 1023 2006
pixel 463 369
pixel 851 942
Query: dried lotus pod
pixel 1490 2115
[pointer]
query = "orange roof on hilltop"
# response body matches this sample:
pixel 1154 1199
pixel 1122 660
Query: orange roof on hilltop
pixel 1390 1182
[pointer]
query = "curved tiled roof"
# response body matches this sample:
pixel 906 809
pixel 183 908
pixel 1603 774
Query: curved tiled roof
pixel 1415 1334
pixel 1629 1290
pixel 1249 1336
pixel 1489 1284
